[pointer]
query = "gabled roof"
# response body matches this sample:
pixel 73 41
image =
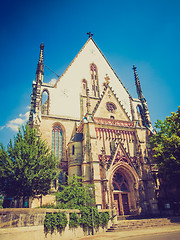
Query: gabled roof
pixel 68 87
pixel 72 61
pixel 103 94
pixel 90 39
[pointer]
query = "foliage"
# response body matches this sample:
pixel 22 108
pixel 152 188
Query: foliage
pixel 1 201
pixel 74 220
pixel 28 166
pixel 166 149
pixel 74 195
pixel 55 221
pixel 77 196
pixel 89 220
pixel 59 221
pixel 104 218
pixel 86 217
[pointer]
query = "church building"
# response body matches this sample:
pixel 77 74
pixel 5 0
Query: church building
pixel 98 131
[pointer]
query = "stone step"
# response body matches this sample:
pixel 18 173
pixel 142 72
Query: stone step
pixel 123 225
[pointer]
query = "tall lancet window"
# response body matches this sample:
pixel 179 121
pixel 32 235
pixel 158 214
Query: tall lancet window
pixel 45 102
pixel 84 86
pixel 94 80
pixel 57 142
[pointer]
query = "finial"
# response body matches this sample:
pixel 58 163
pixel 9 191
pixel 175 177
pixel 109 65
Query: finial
pixel 90 34
pixel 107 78
pixel 134 67
pixel 144 110
pixel 42 46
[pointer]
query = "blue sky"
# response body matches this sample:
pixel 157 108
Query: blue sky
pixel 144 33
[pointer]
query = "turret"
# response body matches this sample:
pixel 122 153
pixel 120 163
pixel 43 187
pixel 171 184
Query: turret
pixel 144 109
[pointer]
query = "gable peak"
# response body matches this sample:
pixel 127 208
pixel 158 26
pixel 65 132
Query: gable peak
pixel 108 90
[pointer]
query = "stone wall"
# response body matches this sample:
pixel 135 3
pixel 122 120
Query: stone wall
pixel 21 217
pixel 22 223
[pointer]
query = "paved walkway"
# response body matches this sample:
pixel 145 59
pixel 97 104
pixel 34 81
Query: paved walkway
pixel 123 235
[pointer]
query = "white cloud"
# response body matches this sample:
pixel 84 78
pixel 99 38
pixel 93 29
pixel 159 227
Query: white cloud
pixel 16 123
pixel 53 81
pixel 2 127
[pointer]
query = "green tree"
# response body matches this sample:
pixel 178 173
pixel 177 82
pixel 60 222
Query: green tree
pixel 28 166
pixel 166 153
pixel 74 195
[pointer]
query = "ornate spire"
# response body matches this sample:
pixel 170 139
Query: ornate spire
pixel 138 85
pixel 40 66
pixel 144 108
pixel 36 94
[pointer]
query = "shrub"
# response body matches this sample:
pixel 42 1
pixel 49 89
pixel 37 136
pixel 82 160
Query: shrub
pixel 105 217
pixel 55 221
pixel 74 220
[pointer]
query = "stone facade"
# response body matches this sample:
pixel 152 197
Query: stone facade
pixel 98 131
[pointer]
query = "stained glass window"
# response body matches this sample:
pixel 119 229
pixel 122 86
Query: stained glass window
pixel 57 141
pixel 84 86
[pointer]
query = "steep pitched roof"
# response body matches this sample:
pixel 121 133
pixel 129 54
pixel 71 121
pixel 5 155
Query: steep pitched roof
pixel 72 62
pixel 68 87
pixel 90 39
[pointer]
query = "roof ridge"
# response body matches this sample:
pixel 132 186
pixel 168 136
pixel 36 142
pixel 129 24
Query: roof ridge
pixel 91 39
pixel 110 66
pixel 99 101
pixel 55 85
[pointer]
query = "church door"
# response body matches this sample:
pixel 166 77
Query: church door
pixel 121 193
pixel 125 203
pixel 116 202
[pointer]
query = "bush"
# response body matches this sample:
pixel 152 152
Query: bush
pixel 74 220
pixel 105 217
pixel 99 219
pixel 86 217
pixel 55 221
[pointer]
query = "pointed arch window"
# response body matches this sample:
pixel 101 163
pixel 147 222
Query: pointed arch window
pixel 57 142
pixel 84 86
pixel 45 102
pixel 94 80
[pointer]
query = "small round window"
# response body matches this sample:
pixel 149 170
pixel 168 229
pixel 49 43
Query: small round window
pixel 111 107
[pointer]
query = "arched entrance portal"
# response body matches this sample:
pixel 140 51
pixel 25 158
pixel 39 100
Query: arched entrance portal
pixel 124 194
pixel 121 192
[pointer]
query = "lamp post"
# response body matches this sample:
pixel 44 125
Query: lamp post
pixel 91 194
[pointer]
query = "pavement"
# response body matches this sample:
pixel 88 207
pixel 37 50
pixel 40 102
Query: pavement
pixel 135 234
